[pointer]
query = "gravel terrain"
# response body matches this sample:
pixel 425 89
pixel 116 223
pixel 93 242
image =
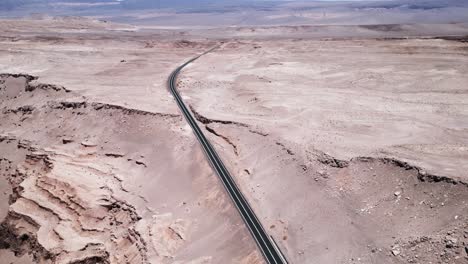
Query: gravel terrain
pixel 352 151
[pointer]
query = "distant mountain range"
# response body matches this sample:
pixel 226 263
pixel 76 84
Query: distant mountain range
pixel 206 4
pixel 143 4
pixel 259 12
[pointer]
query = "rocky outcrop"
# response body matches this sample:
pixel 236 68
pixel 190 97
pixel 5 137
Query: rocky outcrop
pixel 64 211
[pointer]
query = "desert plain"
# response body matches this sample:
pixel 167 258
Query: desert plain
pixel 349 142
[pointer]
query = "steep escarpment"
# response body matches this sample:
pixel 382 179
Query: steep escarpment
pixel 88 182
pixel 57 218
pixel 365 209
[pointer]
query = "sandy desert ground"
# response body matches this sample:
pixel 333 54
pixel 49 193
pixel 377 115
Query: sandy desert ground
pixel 350 150
pixel 372 133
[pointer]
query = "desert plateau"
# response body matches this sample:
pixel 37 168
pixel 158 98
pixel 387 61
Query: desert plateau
pixel 244 132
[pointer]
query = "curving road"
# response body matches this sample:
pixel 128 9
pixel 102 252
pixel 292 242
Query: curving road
pixel 265 243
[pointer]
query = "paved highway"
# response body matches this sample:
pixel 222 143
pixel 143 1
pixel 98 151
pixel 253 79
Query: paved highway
pixel 266 244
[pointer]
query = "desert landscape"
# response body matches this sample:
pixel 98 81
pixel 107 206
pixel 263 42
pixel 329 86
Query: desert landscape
pixel 349 141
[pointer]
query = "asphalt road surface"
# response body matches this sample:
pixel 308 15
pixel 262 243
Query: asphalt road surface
pixel 266 244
